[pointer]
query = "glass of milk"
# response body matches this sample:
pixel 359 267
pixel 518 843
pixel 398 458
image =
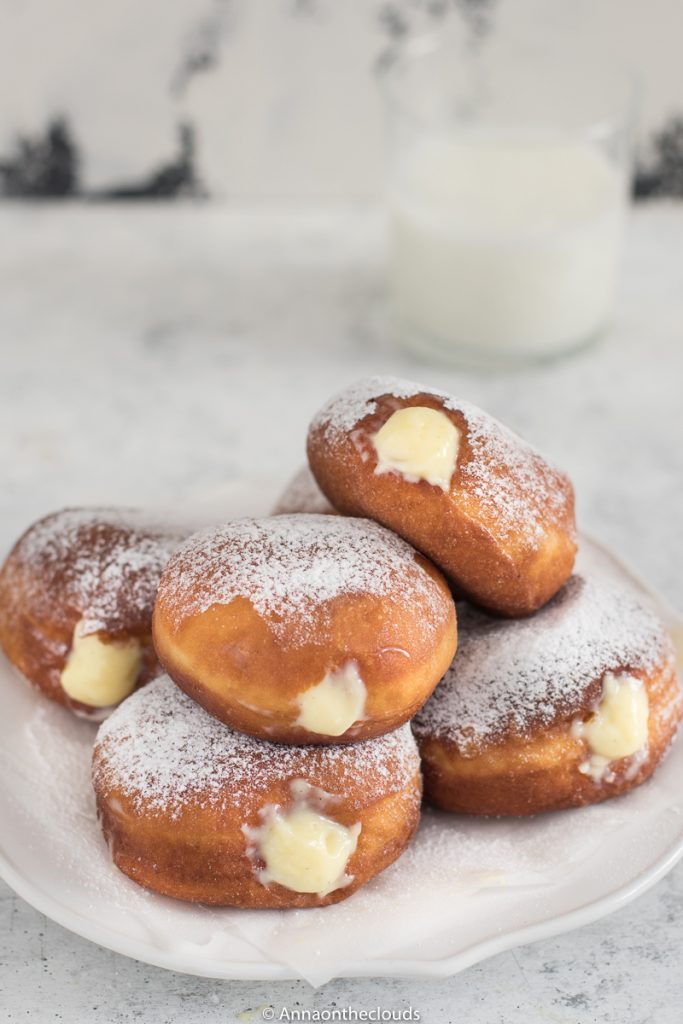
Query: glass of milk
pixel 508 182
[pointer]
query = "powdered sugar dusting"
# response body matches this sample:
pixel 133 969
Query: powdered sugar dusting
pixel 50 831
pixel 161 749
pixel 507 475
pixel 290 566
pixel 512 674
pixel 302 494
pixel 104 562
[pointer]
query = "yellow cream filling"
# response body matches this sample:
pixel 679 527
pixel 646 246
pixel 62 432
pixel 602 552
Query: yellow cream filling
pixel 618 727
pixel 306 851
pixel 101 674
pixel 420 444
pixel 333 705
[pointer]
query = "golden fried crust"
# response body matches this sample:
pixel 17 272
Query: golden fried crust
pixel 518 776
pixel 202 856
pixel 505 572
pixel 222 657
pixel 181 799
pixel 38 649
pixel 42 597
pixel 232 661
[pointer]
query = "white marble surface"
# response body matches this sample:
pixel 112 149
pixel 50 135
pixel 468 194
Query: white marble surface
pixel 282 95
pixel 152 353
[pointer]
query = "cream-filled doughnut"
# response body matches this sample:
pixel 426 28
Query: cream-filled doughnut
pixel 302 494
pixel 304 628
pixel 195 810
pixel 76 599
pixel 569 707
pixel 476 499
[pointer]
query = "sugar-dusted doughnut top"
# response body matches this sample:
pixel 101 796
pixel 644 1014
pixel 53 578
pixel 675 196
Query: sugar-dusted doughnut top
pixel 98 565
pixel 511 480
pixel 302 494
pixel 163 752
pixel 514 676
pixel 291 566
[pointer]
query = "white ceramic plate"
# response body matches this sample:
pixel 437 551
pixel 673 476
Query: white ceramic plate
pixel 464 891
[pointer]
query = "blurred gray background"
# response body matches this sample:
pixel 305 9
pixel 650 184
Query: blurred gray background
pixel 277 99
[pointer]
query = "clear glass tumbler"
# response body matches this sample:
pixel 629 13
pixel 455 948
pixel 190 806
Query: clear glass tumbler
pixel 509 174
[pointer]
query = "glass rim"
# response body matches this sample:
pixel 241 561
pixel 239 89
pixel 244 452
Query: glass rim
pixel 420 47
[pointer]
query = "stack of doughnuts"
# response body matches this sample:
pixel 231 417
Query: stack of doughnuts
pixel 274 766
pixel 564 690
pixel 278 692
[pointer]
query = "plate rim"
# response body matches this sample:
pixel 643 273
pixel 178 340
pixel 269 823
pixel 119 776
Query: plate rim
pixel 262 969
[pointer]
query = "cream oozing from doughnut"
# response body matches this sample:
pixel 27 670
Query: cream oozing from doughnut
pixel 520 500
pixel 302 847
pixel 419 443
pixel 100 673
pixel 334 704
pixel 514 676
pixel 618 727
pixel 306 851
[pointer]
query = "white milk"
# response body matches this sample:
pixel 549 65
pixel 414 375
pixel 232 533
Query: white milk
pixel 504 248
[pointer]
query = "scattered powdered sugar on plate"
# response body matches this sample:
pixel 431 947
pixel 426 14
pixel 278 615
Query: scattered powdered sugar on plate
pixel 458 882
pixel 523 672
pixel 49 778
pixel 302 494
pixel 105 562
pixel 522 491
pixel 45 770
pixel 163 750
pixel 461 884
pixel 290 566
